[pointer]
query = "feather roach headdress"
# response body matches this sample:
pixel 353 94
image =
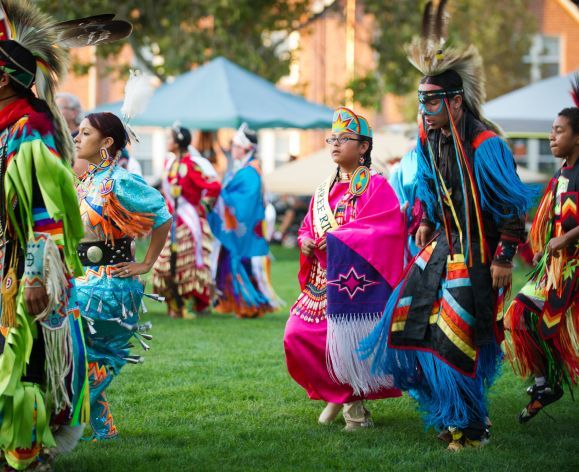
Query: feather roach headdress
pixel 430 54
pixel 33 51
pixel 575 89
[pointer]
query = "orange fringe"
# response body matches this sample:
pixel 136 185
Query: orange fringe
pixel 528 358
pixel 229 304
pixel 524 355
pixel 540 227
pixel 118 218
pixel 567 342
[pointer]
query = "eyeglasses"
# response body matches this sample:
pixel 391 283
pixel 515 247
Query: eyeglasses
pixel 340 140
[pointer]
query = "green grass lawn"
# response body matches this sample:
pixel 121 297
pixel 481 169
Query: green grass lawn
pixel 214 394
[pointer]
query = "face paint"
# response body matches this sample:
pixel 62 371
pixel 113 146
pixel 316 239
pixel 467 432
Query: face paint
pixel 430 108
pixel 432 102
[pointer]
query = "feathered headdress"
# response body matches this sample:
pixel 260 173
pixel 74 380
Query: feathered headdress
pixel 138 92
pixel 431 56
pixel 575 88
pixel 242 137
pixel 46 40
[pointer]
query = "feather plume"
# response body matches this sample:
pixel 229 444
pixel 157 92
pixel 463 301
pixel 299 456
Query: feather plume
pixel 6 28
pixel 138 92
pixel 23 22
pixel 440 22
pixel 575 88
pixel 431 56
pixel 91 31
pixel 427 20
pixel 32 29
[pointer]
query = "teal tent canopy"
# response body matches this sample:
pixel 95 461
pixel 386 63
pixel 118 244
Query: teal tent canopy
pixel 221 94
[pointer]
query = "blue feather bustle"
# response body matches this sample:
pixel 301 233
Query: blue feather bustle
pixel 497 180
pixel 425 179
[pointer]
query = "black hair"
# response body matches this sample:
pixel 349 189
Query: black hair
pixel 110 126
pixel 181 136
pixel 19 60
pixel 251 135
pixel 36 103
pixel 15 56
pixel 368 154
pixel 572 114
pixel 448 80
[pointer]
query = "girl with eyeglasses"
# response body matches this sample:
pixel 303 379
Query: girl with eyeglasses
pixel 352 250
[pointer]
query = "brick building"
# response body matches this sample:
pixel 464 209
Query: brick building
pixel 321 70
pixel 555 49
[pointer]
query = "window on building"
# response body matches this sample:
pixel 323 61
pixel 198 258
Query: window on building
pixel 547 163
pixel 544 57
pixel 535 155
pixel 276 146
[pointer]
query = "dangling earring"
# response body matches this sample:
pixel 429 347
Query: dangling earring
pixel 104 154
pixel 361 160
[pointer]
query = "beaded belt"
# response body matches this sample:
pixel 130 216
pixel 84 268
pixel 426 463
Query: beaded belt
pixel 104 253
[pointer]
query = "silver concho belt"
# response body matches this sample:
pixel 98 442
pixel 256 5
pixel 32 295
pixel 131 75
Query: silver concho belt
pixel 103 253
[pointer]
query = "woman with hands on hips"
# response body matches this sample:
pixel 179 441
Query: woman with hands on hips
pixel 116 207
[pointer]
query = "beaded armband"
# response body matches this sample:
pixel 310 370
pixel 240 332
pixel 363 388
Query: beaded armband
pixel 34 262
pixel 506 250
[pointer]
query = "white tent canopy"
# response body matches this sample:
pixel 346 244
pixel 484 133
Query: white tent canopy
pixel 533 108
pixel 302 176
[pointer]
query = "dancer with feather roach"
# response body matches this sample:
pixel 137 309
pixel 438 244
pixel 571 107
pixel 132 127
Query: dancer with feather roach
pixel 441 331
pixel 43 372
pixel 242 280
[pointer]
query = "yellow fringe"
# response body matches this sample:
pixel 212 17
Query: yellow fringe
pixel 540 228
pixel 554 272
pixel 9 295
pixel 572 325
pixel 85 408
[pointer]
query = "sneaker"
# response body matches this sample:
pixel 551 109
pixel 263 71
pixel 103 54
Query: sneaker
pixel 540 398
pixel 534 389
pixel 486 437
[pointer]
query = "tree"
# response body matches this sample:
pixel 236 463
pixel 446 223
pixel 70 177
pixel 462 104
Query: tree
pixel 502 31
pixel 171 36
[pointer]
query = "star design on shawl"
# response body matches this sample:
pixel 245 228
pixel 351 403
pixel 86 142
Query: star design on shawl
pixel 352 283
